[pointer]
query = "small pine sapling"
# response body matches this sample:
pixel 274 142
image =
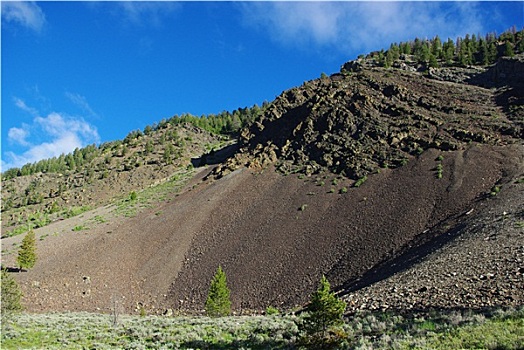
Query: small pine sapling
pixel 218 303
pixel 324 311
pixel 27 253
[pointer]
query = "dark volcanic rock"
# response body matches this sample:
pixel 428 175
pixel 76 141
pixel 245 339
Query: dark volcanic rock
pixel 374 118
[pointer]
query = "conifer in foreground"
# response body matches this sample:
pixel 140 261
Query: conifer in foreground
pixel 218 303
pixel 324 312
pixel 11 297
pixel 27 253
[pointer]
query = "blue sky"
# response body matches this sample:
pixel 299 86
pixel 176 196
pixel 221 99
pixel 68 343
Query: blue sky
pixel 77 73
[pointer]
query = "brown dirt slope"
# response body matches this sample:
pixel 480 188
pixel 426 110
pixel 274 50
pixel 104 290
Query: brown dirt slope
pixel 274 253
pixel 446 147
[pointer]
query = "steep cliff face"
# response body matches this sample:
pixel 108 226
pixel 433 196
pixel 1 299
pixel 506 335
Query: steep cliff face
pixel 509 71
pixel 370 118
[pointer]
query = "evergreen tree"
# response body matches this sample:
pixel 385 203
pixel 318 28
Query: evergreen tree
pixel 508 49
pixel 218 302
pixel 433 61
pixel 168 153
pixel 448 51
pixel 324 311
pixel 149 147
pixel 148 130
pixel 27 253
pixel 492 52
pixel 483 56
pixel 405 48
pixel 11 297
pixel 436 47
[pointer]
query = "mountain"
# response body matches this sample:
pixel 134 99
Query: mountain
pixel 403 185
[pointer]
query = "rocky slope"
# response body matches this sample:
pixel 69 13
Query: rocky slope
pixel 111 172
pixel 405 190
pixel 370 118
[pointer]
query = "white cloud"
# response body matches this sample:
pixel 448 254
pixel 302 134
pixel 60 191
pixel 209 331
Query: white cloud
pixel 81 102
pixel 294 23
pixel 27 14
pixel 18 135
pixel 57 133
pixel 363 26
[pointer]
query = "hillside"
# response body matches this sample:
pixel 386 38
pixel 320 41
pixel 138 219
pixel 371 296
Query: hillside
pixel 403 187
pixel 95 176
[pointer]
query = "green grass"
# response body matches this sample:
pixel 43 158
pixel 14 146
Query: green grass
pixel 18 230
pixel 95 331
pixel 79 228
pixel 493 334
pixel 75 211
pixel 466 329
pixel 99 219
pixel 132 204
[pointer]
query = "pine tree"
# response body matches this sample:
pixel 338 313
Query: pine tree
pixel 483 55
pixel 448 51
pixel 433 63
pixel 508 49
pixel 324 311
pixel 11 297
pixel 27 253
pixel 492 52
pixel 436 47
pixel 218 302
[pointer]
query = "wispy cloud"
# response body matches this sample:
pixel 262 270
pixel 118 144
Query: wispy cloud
pixel 19 135
pixel 24 107
pixel 51 136
pixel 26 14
pixel 146 12
pixel 295 23
pixel 81 102
pixel 361 26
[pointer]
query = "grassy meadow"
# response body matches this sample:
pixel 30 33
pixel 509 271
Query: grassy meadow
pixel 494 329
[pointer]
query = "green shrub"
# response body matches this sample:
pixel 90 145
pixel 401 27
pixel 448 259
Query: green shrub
pixel 495 190
pixel 270 310
pixel 360 181
pixel 439 170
